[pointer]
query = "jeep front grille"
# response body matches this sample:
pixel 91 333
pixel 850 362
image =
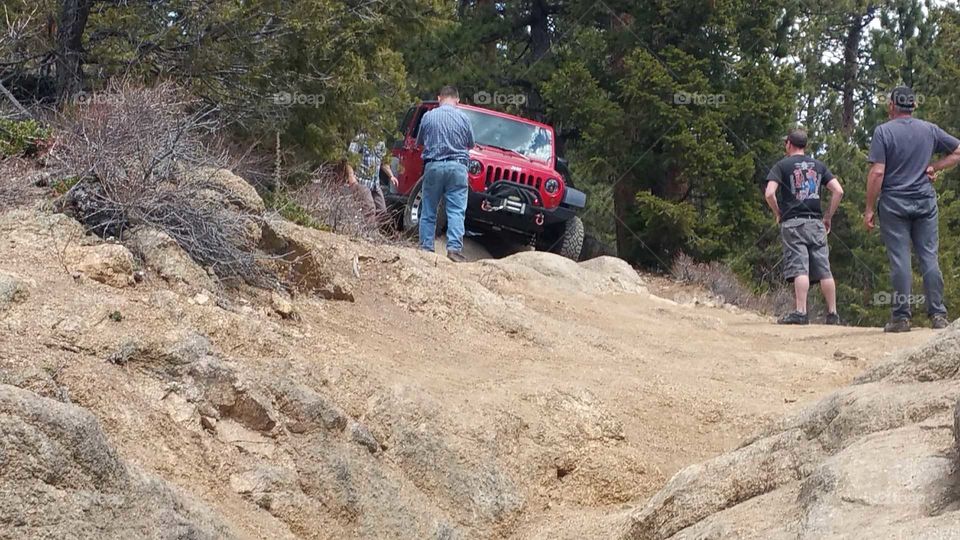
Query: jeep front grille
pixel 498 173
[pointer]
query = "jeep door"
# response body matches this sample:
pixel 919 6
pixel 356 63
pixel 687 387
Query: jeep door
pixel 408 153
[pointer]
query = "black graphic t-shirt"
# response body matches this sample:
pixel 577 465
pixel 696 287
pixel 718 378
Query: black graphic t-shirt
pixel 801 179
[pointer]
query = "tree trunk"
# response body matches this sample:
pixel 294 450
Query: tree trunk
pixel 851 68
pixel 70 28
pixel 540 43
pixel 624 194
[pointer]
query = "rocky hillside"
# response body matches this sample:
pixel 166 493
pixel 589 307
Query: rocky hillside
pixel 395 394
pixel 877 459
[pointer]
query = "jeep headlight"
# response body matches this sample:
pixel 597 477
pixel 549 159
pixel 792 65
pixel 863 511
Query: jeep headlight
pixel 474 167
pixel 552 186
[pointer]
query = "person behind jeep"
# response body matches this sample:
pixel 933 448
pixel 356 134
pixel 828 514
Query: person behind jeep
pixel 447 137
pixel 798 179
pixel 367 174
pixel 901 177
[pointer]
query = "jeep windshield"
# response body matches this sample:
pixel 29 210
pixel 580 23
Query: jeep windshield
pixel 529 140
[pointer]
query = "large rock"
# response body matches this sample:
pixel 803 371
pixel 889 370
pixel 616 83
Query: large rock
pixel 956 424
pixel 236 191
pixel 162 254
pixel 328 274
pixel 60 478
pixel 111 264
pixel 876 460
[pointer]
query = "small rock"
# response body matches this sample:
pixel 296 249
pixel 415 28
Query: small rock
pixel 283 306
pixel 362 436
pixel 201 299
pixel 12 291
pixel 123 355
pixel 208 423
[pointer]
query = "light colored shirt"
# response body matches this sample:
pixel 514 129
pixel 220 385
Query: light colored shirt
pixel 446 135
pixel 371 155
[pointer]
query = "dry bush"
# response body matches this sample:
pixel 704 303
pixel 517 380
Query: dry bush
pixel 128 153
pixel 16 187
pixel 325 202
pixel 334 207
pixel 723 282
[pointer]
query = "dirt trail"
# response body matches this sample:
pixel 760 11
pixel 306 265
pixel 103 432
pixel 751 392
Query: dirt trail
pixel 516 398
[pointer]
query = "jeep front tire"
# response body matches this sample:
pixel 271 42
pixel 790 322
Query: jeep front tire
pixel 570 244
pixel 413 210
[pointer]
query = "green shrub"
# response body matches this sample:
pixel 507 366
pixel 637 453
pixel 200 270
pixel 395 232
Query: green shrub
pixel 21 138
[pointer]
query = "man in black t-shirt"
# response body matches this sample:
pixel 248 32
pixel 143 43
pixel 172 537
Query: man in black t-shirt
pixel 798 180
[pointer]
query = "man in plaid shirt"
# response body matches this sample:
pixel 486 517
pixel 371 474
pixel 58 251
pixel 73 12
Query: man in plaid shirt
pixel 373 162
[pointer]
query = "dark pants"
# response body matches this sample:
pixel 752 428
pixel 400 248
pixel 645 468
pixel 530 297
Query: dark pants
pixel 905 222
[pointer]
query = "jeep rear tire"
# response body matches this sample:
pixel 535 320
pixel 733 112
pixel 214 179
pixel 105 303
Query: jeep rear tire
pixel 570 244
pixel 414 209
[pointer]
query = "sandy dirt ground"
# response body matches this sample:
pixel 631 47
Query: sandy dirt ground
pixel 495 350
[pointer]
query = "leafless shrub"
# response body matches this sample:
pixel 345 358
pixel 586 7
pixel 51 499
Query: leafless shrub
pixel 131 154
pixel 16 188
pixel 721 281
pixel 327 202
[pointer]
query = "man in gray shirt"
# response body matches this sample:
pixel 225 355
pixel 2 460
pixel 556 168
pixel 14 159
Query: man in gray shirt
pixel 447 137
pixel 901 177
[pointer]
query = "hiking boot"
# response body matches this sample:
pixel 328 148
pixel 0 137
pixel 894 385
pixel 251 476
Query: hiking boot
pixel 897 326
pixel 940 321
pixel 456 257
pixel 794 318
pixel 832 319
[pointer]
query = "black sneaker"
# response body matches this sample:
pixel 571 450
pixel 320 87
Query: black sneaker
pixel 832 319
pixel 940 321
pixel 456 257
pixel 794 318
pixel 897 326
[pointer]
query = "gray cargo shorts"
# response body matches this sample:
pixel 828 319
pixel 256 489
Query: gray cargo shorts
pixel 805 250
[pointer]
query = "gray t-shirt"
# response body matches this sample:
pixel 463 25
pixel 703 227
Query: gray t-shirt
pixel 906 146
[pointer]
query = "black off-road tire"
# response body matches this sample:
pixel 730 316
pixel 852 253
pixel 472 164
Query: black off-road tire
pixel 570 244
pixel 412 212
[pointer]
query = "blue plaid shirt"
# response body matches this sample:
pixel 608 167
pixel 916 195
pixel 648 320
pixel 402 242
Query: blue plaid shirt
pixel 371 156
pixel 446 135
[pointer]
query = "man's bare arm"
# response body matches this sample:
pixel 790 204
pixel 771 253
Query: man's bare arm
pixel 385 167
pixel 874 183
pixel 946 163
pixel 771 197
pixel 836 194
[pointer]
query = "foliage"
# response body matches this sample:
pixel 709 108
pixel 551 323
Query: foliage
pixel 21 138
pixel 671 112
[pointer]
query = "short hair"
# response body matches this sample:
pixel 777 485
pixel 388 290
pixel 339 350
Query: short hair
pixel 449 92
pixel 903 99
pixel 798 138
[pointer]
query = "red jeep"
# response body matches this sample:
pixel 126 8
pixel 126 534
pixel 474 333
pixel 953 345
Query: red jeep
pixel 515 188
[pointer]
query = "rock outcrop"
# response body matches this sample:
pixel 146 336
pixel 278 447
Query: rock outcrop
pixel 60 478
pixel 878 459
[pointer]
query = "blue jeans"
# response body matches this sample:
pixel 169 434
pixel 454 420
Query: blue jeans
pixel 445 180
